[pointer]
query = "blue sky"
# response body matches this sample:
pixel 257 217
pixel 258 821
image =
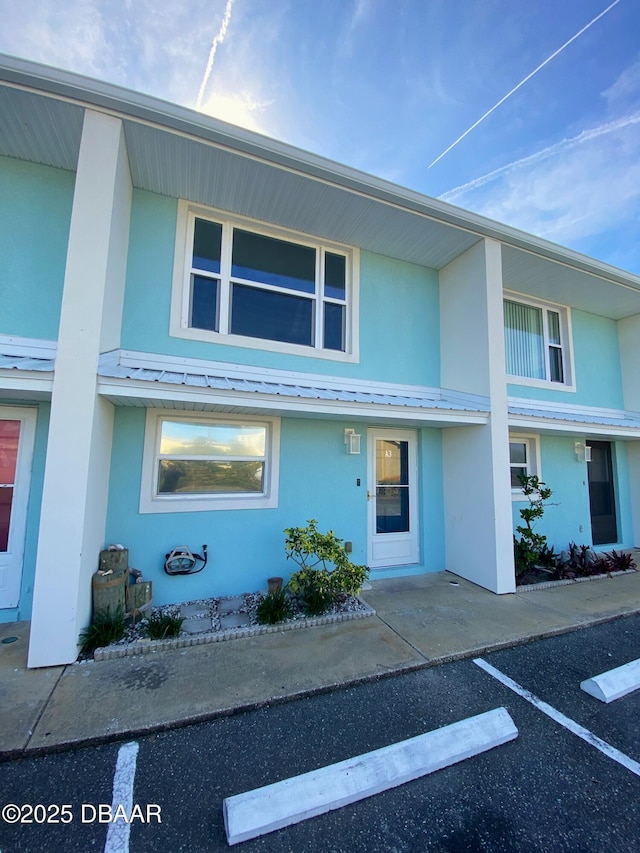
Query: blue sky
pixel 387 86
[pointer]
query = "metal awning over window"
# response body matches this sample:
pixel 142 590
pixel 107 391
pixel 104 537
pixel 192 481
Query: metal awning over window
pixel 22 362
pixel 128 378
pixel 584 421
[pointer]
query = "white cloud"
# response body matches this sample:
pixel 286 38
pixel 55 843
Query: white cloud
pixel 626 88
pixel 217 41
pixel 69 35
pixel 239 109
pixel 577 188
pixel 156 47
pixel 522 82
pixel 359 14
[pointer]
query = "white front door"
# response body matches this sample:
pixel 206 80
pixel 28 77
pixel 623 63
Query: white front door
pixel 17 434
pixel 393 498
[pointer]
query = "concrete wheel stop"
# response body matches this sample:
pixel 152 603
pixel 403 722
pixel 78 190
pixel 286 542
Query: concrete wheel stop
pixel 299 798
pixel 615 683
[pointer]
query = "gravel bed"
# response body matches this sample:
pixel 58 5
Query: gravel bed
pixel 136 642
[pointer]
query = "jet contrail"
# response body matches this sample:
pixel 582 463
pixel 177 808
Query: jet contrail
pixel 217 41
pixel 543 154
pixel 522 82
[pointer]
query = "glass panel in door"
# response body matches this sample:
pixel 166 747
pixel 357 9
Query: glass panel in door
pixel 9 437
pixel 392 486
pixel 602 501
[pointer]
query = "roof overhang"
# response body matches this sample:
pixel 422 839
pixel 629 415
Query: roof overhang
pixel 26 368
pixel 557 419
pixel 143 380
pixel 25 386
pixel 180 153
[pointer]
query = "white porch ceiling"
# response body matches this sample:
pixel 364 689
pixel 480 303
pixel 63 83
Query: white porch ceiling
pixel 568 285
pixel 180 167
pixel 40 130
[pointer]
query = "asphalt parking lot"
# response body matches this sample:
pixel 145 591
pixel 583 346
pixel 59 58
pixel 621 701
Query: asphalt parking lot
pixel 548 790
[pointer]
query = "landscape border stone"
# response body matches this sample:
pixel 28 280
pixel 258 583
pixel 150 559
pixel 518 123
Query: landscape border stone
pixel 143 647
pixel 528 587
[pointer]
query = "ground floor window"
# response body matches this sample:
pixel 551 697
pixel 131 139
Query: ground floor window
pixel 524 458
pixel 199 462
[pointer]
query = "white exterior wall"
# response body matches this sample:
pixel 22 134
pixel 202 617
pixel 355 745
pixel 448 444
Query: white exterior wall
pixel 76 481
pixel 629 344
pixel 477 491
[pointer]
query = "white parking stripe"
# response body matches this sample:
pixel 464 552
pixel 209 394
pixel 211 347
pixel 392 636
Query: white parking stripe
pixel 570 725
pixel 118 832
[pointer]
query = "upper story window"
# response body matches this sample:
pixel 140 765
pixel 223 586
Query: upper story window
pixel 537 342
pixel 247 285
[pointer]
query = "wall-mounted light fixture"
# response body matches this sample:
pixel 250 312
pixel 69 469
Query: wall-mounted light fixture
pixel 352 441
pixel 583 453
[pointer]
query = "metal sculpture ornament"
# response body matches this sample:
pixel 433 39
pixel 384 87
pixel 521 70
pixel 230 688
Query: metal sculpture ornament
pixel 182 561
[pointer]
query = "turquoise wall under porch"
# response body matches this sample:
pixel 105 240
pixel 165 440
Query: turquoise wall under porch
pixel 317 480
pixel 35 214
pixel 399 310
pixel 23 610
pixel 567 518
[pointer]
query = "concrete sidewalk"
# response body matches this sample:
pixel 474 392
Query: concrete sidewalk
pixel 420 621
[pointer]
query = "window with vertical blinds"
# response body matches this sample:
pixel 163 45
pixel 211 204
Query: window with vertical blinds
pixel 535 341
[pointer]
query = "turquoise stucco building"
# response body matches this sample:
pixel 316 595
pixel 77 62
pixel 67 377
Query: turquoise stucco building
pixel 207 336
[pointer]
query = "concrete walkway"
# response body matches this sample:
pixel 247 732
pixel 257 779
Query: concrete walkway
pixel 420 621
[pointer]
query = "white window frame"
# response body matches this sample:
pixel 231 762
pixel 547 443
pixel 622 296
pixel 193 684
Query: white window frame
pixel 179 325
pixel 566 340
pixel 532 445
pixel 152 502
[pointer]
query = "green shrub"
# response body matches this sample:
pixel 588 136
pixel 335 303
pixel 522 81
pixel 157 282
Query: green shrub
pixel 163 625
pixel 325 568
pixel 313 588
pixel 314 601
pixel 106 628
pixel 274 607
pixel 348 577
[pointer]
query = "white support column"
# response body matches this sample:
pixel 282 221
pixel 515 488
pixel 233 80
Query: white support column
pixel 76 481
pixel 629 345
pixel 477 492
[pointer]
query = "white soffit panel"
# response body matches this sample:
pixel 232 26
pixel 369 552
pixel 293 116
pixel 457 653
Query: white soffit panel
pixel 606 295
pixel 40 130
pixel 180 167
